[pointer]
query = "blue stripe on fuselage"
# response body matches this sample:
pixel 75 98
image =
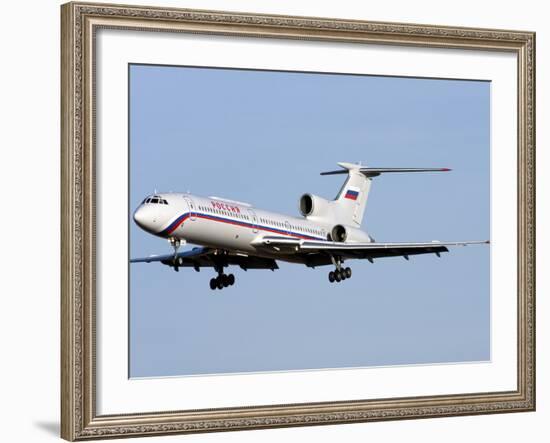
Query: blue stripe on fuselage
pixel 179 220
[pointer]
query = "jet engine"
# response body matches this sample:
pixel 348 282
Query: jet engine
pixel 313 205
pixel 339 233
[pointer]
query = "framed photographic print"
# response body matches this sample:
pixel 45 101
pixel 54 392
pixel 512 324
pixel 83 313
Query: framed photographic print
pixel 283 221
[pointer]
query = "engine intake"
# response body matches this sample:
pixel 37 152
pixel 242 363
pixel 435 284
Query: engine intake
pixel 313 205
pixel 306 204
pixel 339 233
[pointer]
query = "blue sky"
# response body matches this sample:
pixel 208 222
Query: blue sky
pixel 263 137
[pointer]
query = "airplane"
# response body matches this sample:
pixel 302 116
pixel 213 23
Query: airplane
pixel 230 232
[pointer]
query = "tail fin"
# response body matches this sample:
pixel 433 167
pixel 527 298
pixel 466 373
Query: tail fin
pixel 351 201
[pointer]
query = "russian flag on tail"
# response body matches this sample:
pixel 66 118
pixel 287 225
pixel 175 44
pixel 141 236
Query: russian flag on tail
pixel 352 193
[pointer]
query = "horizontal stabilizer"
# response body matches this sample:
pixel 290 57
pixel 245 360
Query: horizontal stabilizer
pixel 374 172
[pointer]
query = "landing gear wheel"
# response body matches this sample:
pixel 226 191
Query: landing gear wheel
pixel 331 276
pixel 225 280
pixel 231 279
pixel 213 283
pixel 337 276
pixel 347 272
pixel 219 282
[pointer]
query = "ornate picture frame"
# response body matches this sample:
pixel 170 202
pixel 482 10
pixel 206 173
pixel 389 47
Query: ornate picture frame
pixel 80 22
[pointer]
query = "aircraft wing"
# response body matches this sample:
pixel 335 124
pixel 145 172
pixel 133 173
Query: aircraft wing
pixel 208 258
pixel 318 252
pixel 187 256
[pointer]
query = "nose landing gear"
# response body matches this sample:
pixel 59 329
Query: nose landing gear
pixel 175 243
pixel 176 261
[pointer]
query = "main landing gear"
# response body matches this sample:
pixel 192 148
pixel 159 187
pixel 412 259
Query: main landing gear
pixel 339 273
pixel 222 280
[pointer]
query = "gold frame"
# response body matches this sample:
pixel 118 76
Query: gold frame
pixel 78 24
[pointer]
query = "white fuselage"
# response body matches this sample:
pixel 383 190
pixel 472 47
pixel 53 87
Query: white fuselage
pixel 220 223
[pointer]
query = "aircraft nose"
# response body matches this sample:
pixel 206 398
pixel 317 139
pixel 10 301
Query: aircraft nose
pixel 146 216
pixel 149 217
pixel 140 217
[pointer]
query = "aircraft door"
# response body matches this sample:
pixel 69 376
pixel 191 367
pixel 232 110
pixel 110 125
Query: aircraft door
pixel 192 213
pixel 254 220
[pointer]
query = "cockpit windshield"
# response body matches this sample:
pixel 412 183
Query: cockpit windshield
pixel 155 199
